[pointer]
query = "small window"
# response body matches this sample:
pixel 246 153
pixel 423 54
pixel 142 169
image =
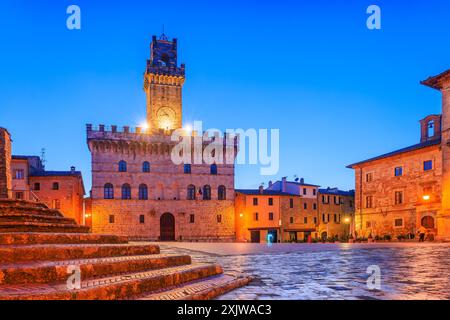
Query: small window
pixel 315 206
pixel 291 203
pixel 111 218
pixel 369 202
pixel 291 219
pixel 368 224
pixel 256 216
pixel 305 206
pixel 19 174
pixel 323 218
pixel 270 201
pixel 305 191
pixel 314 192
pixel 37 186
pixel 146 166
pixel 187 168
pixel 213 169
pixel 108 191
pixel 19 195
pixel 398 171
pixel 192 218
pixel 335 218
pixel 305 220
pixel 141 218
pixel 271 216
pixel 350 203
pixel 369 177
pixel 126 192
pixel 398 222
pixel 219 218
pixel 428 165
pixel 55 186
pixel 315 220
pixel 122 166
pixel 398 197
pixel 255 201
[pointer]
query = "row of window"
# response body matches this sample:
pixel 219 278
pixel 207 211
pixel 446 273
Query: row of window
pixel 398 199
pixel 325 200
pixel 146 167
pixel 192 192
pixel 112 218
pixel 398 171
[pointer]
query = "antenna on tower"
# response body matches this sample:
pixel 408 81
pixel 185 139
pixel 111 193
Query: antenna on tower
pixel 163 35
pixel 43 160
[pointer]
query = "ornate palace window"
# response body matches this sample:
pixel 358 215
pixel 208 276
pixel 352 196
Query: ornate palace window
pixel 214 169
pixel 222 193
pixel 126 192
pixel 191 192
pixel 143 192
pixel 207 192
pixel 108 191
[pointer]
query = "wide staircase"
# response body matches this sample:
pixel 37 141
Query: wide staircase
pixel 45 256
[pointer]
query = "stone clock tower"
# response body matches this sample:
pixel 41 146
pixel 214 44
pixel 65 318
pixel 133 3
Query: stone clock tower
pixel 163 82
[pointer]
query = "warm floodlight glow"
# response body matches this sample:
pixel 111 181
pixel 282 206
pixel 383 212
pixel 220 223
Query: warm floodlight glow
pixel 347 220
pixel 241 215
pixel 188 129
pixel 426 197
pixel 144 126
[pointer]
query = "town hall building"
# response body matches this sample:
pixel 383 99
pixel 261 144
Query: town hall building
pixel 137 190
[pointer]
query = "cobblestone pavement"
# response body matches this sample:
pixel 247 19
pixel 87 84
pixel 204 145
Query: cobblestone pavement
pixel 329 271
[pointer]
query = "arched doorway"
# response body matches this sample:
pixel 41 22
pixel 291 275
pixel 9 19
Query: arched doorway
pixel 167 227
pixel 324 236
pixel 428 222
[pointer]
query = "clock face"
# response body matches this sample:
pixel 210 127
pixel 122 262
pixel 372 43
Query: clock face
pixel 166 117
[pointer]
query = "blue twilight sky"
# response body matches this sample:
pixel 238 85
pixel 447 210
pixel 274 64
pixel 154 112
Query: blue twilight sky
pixel 338 92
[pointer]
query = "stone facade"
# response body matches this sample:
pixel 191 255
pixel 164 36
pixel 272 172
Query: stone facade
pixel 138 190
pixel 402 191
pixel 336 213
pixel 5 164
pixel 61 190
pixel 290 212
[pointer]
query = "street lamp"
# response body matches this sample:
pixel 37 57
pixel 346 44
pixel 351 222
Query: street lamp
pixel 426 197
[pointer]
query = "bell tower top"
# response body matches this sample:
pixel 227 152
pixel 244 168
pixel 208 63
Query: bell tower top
pixel 163 82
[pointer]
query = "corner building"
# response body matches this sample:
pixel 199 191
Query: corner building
pixel 137 190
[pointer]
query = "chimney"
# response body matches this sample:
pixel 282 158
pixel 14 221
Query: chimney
pixel 283 184
pixel 5 164
pixel 72 169
pixel 302 180
pixel 270 183
pixel 261 189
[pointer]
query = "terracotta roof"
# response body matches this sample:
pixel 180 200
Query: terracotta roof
pixel 256 192
pixel 334 191
pixel 400 151
pixel 55 173
pixel 437 81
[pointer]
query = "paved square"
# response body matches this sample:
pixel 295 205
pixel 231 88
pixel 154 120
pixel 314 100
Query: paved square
pixel 329 271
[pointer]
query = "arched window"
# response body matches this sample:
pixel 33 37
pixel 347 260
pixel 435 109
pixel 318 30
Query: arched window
pixel 122 166
pixel 207 192
pixel 146 166
pixel 55 186
pixel 108 191
pixel 191 192
pixel 126 192
pixel 143 192
pixel 222 193
pixel 213 169
pixel 431 129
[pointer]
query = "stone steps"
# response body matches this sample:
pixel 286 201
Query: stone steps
pixel 57 271
pixel 24 253
pixel 205 289
pixel 31 210
pixel 29 238
pixel 20 226
pixel 21 203
pixel 30 217
pixel 111 288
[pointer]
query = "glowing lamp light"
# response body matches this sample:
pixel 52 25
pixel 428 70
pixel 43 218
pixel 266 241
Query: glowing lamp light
pixel 241 215
pixel 426 197
pixel 347 220
pixel 144 126
pixel 188 129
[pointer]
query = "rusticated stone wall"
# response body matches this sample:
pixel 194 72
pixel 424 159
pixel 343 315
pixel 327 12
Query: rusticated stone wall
pixel 5 164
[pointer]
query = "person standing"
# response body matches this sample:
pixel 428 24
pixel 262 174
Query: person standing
pixel 422 232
